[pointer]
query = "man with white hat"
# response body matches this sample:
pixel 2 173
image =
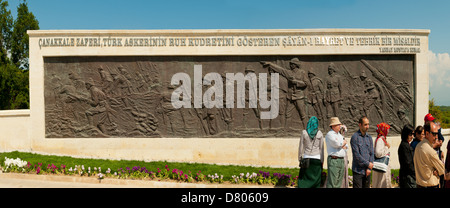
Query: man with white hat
pixel 336 148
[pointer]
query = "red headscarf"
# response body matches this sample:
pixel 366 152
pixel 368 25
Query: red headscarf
pixel 382 130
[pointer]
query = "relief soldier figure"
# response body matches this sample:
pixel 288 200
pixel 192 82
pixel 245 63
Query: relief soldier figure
pixel 283 89
pixel 121 88
pixel 226 113
pixel 106 79
pixel 128 85
pixel 212 114
pixel 372 95
pixel 297 84
pixel 316 95
pixel 403 119
pixel 247 110
pixel 99 108
pixel 56 86
pixel 76 81
pixel 172 117
pixel 72 96
pixel 200 113
pixel 333 95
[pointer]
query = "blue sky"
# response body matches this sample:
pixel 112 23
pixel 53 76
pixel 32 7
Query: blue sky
pixel 261 14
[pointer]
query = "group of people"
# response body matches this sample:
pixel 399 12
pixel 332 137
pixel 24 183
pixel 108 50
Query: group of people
pixel 421 159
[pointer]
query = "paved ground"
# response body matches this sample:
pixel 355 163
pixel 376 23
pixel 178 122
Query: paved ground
pixel 29 183
pixel 18 182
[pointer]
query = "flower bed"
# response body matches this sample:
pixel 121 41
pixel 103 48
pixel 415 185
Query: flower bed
pixel 160 171
pixel 142 173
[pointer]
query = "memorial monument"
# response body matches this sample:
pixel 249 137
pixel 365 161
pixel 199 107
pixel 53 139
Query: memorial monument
pixel 115 90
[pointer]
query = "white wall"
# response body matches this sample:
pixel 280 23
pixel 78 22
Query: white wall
pixel 15 129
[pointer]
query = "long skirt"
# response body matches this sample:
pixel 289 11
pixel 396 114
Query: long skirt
pixel 311 177
pixel 381 179
pixel 345 183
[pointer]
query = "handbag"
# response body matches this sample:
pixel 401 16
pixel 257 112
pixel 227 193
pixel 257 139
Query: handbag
pixel 304 163
pixel 381 164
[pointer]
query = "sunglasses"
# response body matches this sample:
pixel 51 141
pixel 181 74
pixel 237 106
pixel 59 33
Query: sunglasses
pixel 434 133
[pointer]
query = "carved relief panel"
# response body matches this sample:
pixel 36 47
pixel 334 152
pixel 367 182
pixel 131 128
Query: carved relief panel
pixel 88 97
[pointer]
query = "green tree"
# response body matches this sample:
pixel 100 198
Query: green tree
pixel 19 38
pixel 434 110
pixel 14 87
pixel 14 49
pixel 445 122
pixel 6 23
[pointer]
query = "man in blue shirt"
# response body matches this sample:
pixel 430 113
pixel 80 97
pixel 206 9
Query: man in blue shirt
pixel 363 155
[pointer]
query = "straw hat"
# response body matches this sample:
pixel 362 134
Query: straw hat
pixel 335 121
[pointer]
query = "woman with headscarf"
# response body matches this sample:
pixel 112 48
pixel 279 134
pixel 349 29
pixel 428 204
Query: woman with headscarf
pixel 310 155
pixel 382 179
pixel 407 173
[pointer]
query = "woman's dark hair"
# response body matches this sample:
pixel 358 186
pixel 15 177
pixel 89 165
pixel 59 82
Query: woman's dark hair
pixel 406 131
pixel 427 127
pixel 419 129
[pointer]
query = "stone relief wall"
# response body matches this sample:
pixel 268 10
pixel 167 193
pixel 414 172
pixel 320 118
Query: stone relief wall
pixel 89 97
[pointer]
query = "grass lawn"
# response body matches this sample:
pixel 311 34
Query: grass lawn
pixel 206 169
pixel 226 170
